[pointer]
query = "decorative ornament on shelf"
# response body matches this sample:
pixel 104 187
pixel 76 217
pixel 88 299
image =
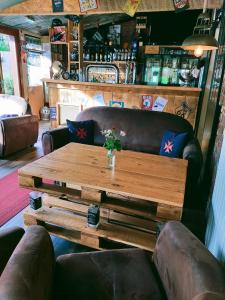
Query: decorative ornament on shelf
pixel 112 144
pixel 202 38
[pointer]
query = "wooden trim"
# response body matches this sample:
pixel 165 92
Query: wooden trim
pixel 16 34
pixel 121 86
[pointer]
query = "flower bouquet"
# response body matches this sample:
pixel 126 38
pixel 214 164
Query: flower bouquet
pixel 112 144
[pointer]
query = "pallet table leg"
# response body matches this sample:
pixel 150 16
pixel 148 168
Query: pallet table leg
pixel 169 212
pixel 29 182
pixel 92 195
pixel 31 220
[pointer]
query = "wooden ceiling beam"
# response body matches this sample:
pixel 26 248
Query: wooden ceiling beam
pixel 37 7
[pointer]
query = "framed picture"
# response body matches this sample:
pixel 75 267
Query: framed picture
pixel 87 5
pixel 117 103
pixel 160 104
pixel 53 113
pixel 57 6
pixel 147 102
pixel 181 5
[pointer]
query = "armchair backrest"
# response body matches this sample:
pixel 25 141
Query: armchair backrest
pixel 187 269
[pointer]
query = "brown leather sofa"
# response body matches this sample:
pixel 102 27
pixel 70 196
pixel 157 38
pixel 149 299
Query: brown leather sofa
pixel 181 268
pixel 17 133
pixel 144 131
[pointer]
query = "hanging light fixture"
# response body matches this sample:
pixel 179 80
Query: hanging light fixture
pixel 201 39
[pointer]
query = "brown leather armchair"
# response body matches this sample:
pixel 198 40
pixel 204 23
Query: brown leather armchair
pixel 17 133
pixel 181 268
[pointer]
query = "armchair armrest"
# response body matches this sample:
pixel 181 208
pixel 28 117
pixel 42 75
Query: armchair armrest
pixel 192 152
pixel 30 270
pixel 9 238
pixel 185 266
pixel 54 139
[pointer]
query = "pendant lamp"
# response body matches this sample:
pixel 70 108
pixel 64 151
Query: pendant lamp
pixel 201 39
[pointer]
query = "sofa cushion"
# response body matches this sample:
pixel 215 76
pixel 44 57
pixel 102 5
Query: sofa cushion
pixel 12 105
pixel 81 132
pixel 173 143
pixel 109 275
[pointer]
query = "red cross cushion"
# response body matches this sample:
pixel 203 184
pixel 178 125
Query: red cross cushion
pixel 173 143
pixel 81 132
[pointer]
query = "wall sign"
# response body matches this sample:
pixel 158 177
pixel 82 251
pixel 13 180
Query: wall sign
pixel 130 7
pixel 180 5
pixel 87 5
pixel 53 113
pixel 57 5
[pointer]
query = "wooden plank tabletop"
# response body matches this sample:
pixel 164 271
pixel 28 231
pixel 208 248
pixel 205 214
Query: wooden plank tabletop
pixel 138 175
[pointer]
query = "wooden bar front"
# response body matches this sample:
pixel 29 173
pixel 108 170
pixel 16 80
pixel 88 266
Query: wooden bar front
pixel 87 94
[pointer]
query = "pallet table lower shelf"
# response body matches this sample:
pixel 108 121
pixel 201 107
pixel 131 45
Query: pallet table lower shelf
pixel 74 228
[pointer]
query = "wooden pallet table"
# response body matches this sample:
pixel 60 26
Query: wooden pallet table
pixel 142 191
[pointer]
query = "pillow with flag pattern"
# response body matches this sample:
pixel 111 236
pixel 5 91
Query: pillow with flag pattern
pixel 81 132
pixel 173 143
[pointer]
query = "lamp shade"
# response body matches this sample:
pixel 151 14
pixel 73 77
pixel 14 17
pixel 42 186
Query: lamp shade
pixel 203 41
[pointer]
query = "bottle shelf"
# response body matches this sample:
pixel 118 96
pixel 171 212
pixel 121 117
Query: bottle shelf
pixel 106 62
pixel 59 43
pixel 76 41
pixel 74 61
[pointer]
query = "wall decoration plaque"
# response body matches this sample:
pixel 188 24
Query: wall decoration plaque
pixel 87 5
pixel 181 5
pixel 57 5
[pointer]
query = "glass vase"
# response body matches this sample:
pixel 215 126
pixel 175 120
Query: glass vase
pixel 111 159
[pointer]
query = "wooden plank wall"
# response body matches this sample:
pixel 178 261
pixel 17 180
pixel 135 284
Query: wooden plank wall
pixel 105 6
pixel 85 94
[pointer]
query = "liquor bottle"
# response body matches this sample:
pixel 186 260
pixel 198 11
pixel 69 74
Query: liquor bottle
pixel 58 36
pixel 140 39
pixel 165 78
pixel 126 55
pixel 101 55
pixel 122 55
pixel 135 45
pixel 174 72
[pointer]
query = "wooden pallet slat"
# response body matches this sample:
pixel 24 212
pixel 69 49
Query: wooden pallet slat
pixel 108 231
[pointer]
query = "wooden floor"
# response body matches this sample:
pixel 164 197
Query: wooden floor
pixel 14 162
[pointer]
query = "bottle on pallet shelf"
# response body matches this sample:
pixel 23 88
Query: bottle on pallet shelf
pixel 57 36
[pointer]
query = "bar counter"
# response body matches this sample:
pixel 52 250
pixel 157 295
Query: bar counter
pixel 68 97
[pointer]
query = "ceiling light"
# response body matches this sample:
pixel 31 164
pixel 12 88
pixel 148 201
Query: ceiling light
pixel 201 39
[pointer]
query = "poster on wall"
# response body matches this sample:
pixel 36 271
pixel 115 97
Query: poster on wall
pixel 181 5
pixel 160 104
pixel 53 113
pixel 147 102
pixel 130 7
pixel 57 6
pixel 117 103
pixel 87 5
pixel 98 99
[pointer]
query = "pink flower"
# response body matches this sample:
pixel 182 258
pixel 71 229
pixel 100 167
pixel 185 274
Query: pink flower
pixel 122 133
